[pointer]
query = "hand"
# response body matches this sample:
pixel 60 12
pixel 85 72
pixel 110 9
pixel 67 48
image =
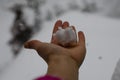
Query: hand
pixel 63 61
pixel 48 51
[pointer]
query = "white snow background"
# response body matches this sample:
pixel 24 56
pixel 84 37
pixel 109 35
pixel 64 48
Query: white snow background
pixel 103 47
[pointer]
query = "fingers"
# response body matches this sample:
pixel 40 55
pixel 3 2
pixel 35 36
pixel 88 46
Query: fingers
pixel 75 31
pixel 65 25
pixel 74 28
pixel 81 38
pixel 57 24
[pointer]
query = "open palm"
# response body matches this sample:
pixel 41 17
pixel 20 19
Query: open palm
pixel 75 50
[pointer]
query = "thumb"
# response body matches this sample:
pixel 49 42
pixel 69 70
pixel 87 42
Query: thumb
pixel 43 49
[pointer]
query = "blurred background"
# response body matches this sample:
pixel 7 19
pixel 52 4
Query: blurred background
pixel 23 20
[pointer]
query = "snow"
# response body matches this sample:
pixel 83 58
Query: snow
pixel 5 22
pixel 28 16
pixel 102 38
pixel 65 36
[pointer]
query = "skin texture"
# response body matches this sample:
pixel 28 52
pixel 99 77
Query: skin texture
pixel 63 61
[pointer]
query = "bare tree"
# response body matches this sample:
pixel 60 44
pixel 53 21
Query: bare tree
pixel 35 5
pixel 20 31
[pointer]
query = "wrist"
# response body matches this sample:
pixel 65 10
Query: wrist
pixel 62 59
pixel 63 66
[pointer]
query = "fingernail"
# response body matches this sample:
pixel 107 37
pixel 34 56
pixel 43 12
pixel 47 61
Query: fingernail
pixel 80 32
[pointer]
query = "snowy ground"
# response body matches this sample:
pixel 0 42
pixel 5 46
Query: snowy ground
pixel 103 48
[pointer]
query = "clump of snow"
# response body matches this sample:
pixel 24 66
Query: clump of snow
pixel 28 15
pixel 65 36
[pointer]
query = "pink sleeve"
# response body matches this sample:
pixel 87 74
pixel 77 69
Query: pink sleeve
pixel 47 77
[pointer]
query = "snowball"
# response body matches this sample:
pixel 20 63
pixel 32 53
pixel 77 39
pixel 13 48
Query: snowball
pixel 65 36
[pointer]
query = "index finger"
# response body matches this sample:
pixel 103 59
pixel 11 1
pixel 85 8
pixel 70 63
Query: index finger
pixel 57 24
